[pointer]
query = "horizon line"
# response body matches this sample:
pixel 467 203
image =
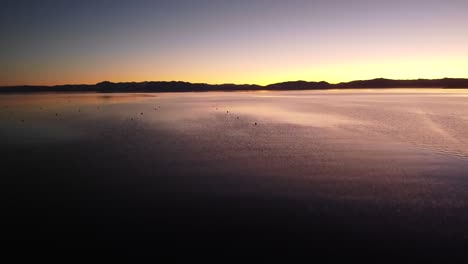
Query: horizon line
pixel 227 83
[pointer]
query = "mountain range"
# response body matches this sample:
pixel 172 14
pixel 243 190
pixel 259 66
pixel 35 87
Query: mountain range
pixel 175 86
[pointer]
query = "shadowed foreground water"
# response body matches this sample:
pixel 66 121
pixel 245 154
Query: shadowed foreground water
pixel 334 173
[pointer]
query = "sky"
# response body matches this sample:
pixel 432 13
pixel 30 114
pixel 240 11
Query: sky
pixel 51 42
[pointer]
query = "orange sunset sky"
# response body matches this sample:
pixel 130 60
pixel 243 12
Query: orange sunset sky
pixel 261 42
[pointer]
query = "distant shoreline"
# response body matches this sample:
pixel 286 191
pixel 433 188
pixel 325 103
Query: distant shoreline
pixel 174 86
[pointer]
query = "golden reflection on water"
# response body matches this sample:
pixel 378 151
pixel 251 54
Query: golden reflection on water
pixel 435 119
pixel 285 115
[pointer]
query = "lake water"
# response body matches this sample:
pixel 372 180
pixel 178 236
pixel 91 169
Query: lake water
pixel 334 169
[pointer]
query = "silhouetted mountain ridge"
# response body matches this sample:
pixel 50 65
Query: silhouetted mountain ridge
pixel 177 86
pixel 419 83
pixel 299 85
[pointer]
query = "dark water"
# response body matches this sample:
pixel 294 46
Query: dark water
pixel 330 173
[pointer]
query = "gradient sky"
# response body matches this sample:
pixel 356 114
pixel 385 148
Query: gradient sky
pixel 243 41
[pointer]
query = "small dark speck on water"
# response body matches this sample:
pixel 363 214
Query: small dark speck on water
pixel 255 123
pixel 141 113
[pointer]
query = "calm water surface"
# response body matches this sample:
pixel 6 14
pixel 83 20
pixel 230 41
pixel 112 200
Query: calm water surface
pixel 332 169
